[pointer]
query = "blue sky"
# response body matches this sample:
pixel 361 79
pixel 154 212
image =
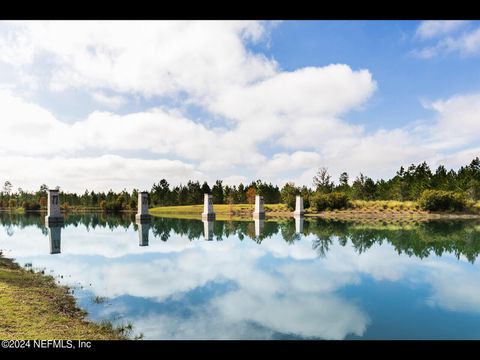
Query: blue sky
pixel 118 105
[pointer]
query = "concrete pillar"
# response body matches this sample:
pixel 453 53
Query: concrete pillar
pixel 259 226
pixel 143 228
pixel 54 216
pixel 259 212
pixel 142 212
pixel 55 236
pixel 298 224
pixel 208 229
pixel 208 213
pixel 298 206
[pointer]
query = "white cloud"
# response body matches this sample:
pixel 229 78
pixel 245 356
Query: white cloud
pixel 427 52
pixel 113 102
pixel 307 314
pixel 460 293
pixel 284 162
pixel 300 108
pixel 99 173
pixel 156 131
pixel 457 121
pixel 378 155
pixel 432 28
pixel 29 129
pixel 146 57
pixel 30 81
pixel 466 44
pixel 234 180
pixel 292 92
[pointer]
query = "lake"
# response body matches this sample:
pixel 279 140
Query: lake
pixel 287 279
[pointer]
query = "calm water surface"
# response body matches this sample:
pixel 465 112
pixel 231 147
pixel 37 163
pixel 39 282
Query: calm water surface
pixel 293 279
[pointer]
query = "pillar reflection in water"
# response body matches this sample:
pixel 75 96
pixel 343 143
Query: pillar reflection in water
pixel 143 229
pixel 259 226
pixel 299 224
pixel 208 229
pixel 55 236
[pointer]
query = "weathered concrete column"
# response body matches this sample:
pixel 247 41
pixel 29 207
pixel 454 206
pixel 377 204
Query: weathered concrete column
pixel 259 226
pixel 54 216
pixel 298 224
pixel 143 228
pixel 298 206
pixel 208 229
pixel 142 212
pixel 259 212
pixel 208 213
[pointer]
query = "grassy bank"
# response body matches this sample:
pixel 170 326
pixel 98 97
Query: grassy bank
pixel 32 306
pixel 222 211
pixel 391 209
pixel 359 209
pixel 18 210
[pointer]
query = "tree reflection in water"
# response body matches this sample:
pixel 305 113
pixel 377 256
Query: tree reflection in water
pixel 458 237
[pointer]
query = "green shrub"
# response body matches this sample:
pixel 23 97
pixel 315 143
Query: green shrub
pixel 114 206
pixel 306 202
pixel 288 195
pixel 440 200
pixel 331 201
pixel 30 206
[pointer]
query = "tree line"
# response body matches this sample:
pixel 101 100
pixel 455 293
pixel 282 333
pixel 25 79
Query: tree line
pixel 161 194
pixel 434 190
pixel 407 184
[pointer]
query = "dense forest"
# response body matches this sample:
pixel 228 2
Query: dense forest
pixel 415 183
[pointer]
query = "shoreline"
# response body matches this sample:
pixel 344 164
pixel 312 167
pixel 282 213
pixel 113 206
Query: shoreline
pixel 194 212
pixel 244 212
pixel 401 215
pixel 35 307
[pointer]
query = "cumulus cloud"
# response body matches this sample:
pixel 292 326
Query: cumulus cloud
pixel 285 162
pixel 457 120
pixel 300 108
pixel 147 57
pixel 99 173
pixel 29 129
